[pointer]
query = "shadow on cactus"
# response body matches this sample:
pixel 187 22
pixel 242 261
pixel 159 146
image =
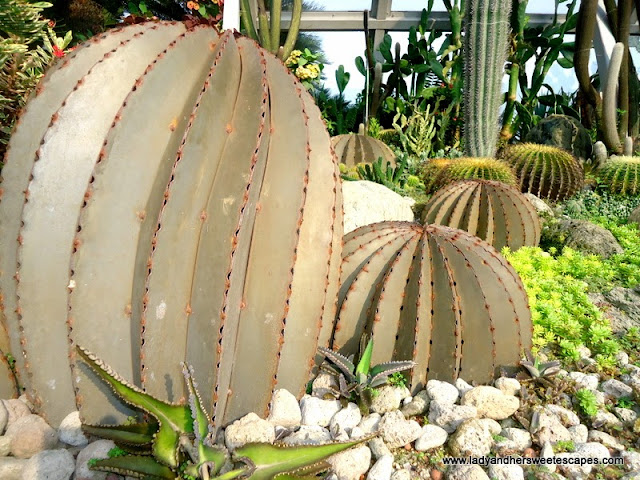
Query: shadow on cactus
pixel 179 441
pixel 362 378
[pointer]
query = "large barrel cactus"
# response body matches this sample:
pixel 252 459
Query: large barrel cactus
pixel 547 172
pixel 436 295
pixel 468 168
pixel 169 195
pixel 352 149
pixel 621 175
pixel 493 211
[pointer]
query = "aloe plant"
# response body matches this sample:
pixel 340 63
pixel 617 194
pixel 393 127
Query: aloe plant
pixel 389 176
pixel 182 441
pixel 361 378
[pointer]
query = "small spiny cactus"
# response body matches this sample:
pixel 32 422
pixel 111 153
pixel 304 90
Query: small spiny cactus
pixel 545 171
pixel 468 168
pixel 621 175
pixel 493 211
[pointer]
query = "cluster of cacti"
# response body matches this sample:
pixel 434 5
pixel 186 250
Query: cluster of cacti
pixel 492 211
pixel 620 175
pixel 202 225
pixel 268 31
pixel 416 133
pixel 468 168
pixel 180 440
pixel 355 148
pixel 545 171
pixel 435 295
pixel 485 49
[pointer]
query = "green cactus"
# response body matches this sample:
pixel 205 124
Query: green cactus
pixel 174 230
pixel 355 148
pixel 485 50
pixel 468 168
pixel 621 175
pixel 389 176
pixel 497 213
pixel 434 295
pixel 431 170
pixel 182 439
pixel 545 171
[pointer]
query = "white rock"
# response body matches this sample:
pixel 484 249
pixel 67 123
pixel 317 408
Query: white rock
pixel 466 472
pixel 382 469
pixel 285 409
pixel 370 423
pixel 574 471
pixel 5 446
pixel 605 419
pixel 387 399
pixel 346 419
pixel 4 418
pixel 631 476
pixel 566 416
pixel 508 386
pixel 402 474
pixel 605 439
pixel 462 386
pixel 590 382
pixel 29 435
pixel 397 431
pixel 378 448
pixel 449 416
pixel 367 202
pixel 356 432
pixel 98 449
pixel 584 352
pixel 631 460
pixel 442 392
pixel 474 437
pixel 432 437
pixel 324 385
pixel 11 468
pixel 316 411
pixel 547 452
pixel 309 435
pixel 579 433
pixel 506 472
pixel 548 427
pixel 352 463
pixel 616 389
pixel 15 409
pixel 491 402
pixel 592 450
pixel 516 439
pixel 622 358
pixel 626 415
pixel 70 430
pixel 539 204
pixel 418 405
pixel 49 465
pixel 249 429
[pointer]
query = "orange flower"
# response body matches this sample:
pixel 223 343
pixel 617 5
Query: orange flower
pixel 58 52
pixel 193 5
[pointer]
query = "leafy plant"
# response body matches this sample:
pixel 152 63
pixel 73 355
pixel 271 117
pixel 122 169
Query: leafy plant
pixel 181 441
pixel 564 446
pixel 626 402
pixel 361 378
pixel 305 66
pixel 389 176
pixel 416 132
pixel 538 370
pixel 340 114
pixel 587 402
pixel 397 379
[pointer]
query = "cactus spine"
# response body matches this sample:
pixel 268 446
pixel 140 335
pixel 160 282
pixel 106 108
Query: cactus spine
pixel 199 228
pixel 485 50
pixel 493 211
pixel 435 295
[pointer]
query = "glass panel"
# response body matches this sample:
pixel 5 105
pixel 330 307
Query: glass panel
pixel 416 5
pixel 337 5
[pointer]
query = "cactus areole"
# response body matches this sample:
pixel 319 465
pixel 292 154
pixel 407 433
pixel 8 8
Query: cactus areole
pixel 170 194
pixel 435 295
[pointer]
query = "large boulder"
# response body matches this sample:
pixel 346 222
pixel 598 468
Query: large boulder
pixel 367 202
pixel 634 217
pixel 564 132
pixel 583 236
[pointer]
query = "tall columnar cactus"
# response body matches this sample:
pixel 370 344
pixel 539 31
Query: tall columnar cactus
pixel 492 211
pixel 547 172
pixel 161 206
pixel 621 175
pixel 435 295
pixel 352 149
pixel 485 50
pixel 468 168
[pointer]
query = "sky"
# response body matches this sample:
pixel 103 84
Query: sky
pixel 341 48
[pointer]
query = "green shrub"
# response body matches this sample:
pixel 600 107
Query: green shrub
pixel 594 206
pixel 587 402
pixel 563 316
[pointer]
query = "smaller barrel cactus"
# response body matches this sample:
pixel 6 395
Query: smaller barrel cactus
pixel 355 148
pixel 545 171
pixel 431 170
pixel 481 168
pixel 621 175
pixel 493 211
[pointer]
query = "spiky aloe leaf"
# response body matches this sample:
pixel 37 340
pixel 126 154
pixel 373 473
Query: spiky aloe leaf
pixel 340 361
pixel 270 461
pixel 364 365
pixel 173 420
pixel 379 373
pixel 136 467
pixel 134 434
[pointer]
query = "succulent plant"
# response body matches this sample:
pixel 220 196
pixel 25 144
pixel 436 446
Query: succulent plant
pixel 545 171
pixel 389 176
pixel 434 295
pixel 182 443
pixel 467 168
pixel 354 148
pixel 493 211
pixel 539 370
pixel 620 175
pixel 486 36
pixel 360 378
pixel 204 227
